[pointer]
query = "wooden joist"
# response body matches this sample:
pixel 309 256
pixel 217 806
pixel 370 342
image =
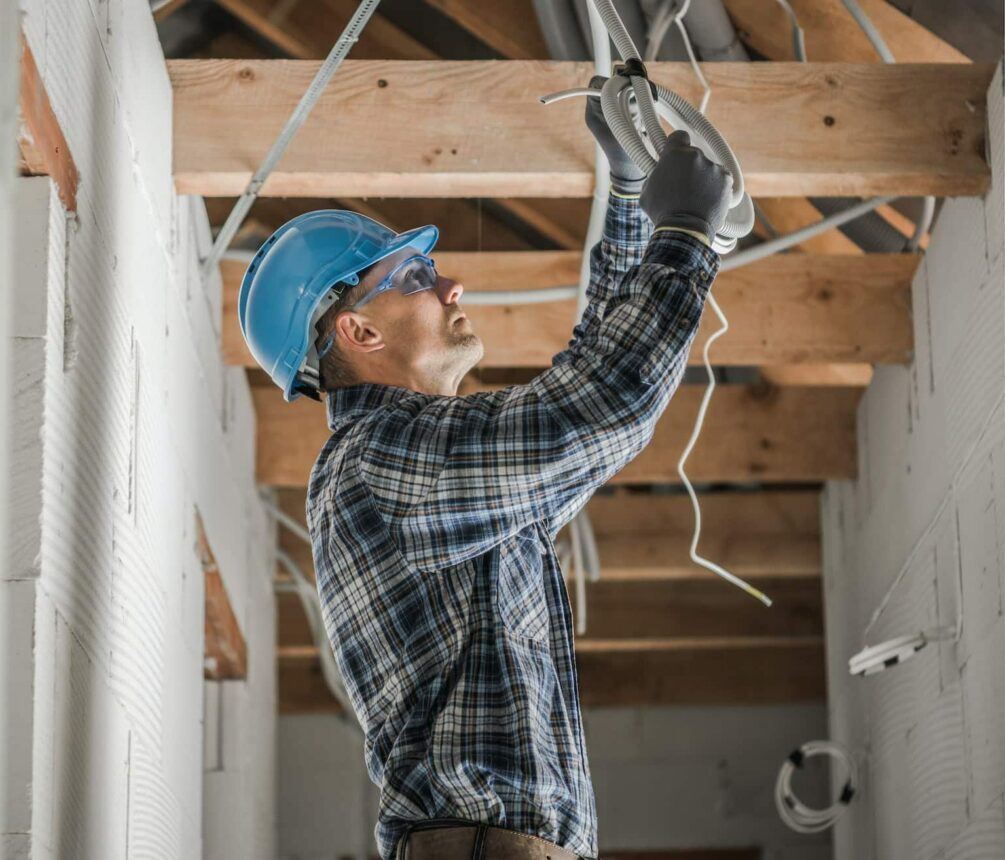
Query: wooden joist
pixel 700 672
pixel 624 673
pixel 765 534
pixel 225 651
pixel 42 146
pixel 476 128
pixel 752 433
pixel 644 537
pixel 785 309
pixel 307 29
pixel 511 28
pixel 833 35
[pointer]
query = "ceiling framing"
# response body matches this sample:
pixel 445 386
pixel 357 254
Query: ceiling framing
pixel 455 137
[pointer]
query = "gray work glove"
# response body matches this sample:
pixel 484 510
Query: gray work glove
pixel 626 178
pixel 686 189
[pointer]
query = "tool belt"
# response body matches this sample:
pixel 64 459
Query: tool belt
pixel 460 839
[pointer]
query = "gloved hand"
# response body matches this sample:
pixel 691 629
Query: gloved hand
pixel 686 189
pixel 626 178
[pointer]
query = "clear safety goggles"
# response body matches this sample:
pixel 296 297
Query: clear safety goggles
pixel 412 275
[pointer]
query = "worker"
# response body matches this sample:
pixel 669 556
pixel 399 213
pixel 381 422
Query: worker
pixel 433 516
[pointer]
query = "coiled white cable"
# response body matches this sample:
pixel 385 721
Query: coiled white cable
pixel 682 114
pixel 796 814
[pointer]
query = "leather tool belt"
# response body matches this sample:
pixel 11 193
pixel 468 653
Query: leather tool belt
pixel 460 839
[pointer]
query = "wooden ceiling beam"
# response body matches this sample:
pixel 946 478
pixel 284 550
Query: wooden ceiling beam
pixel 626 673
pixel 510 28
pixel 832 34
pixel 475 128
pixel 767 535
pixel 785 309
pixel 42 147
pixel 225 650
pixel 752 433
pixel 308 29
pixel 701 672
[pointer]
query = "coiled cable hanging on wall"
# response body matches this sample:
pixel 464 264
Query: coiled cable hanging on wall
pixel 796 814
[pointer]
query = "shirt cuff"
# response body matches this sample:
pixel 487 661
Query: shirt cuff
pixel 680 250
pixel 696 233
pixel 625 223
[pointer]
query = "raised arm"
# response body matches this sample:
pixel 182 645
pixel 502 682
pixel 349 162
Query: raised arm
pixel 453 476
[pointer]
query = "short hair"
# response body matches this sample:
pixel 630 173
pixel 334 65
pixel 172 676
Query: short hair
pixel 333 368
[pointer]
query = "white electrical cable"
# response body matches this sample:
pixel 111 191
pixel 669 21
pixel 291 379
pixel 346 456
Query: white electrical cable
pixel 308 594
pixel 349 37
pixel 699 422
pixel 580 574
pixel 590 552
pixel 669 12
pixel 798 35
pixel 871 33
pixel 601 169
pixel 311 601
pixel 924 222
pixel 782 243
pixel 797 815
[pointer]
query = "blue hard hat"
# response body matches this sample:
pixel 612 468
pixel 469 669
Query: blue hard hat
pixel 293 275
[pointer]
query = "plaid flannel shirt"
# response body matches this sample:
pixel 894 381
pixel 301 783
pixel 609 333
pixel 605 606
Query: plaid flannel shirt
pixel 433 519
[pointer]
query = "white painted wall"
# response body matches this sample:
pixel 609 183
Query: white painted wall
pixel 127 422
pixel 668 777
pixel 919 541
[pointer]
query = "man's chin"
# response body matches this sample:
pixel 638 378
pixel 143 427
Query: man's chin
pixel 470 346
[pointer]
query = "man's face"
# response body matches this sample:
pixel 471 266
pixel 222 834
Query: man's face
pixel 425 333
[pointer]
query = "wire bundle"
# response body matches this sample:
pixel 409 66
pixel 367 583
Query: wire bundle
pixel 796 814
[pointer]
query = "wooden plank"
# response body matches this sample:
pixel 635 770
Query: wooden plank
pixel 752 433
pixel 309 29
pixel 642 536
pixel 858 375
pixel 226 653
pixel 699 607
pixel 169 8
pixel 511 28
pixel 832 34
pixel 785 309
pixel 475 128
pixel 788 214
pixel 614 673
pixel 701 672
pixel 44 149
pixel 694 608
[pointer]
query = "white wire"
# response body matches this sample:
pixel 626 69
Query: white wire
pixel 797 815
pixel 699 421
pixel 798 35
pixel 871 33
pixel 580 572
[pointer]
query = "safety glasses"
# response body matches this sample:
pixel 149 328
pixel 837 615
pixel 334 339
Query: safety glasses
pixel 411 275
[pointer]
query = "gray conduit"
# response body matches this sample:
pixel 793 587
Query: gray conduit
pixel 299 116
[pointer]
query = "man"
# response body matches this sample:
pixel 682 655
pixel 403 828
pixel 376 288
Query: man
pixel 433 516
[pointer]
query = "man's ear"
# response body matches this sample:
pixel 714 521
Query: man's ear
pixel 357 334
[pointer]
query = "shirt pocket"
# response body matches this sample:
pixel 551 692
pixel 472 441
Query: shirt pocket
pixel 522 602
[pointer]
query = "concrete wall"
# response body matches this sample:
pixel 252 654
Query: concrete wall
pixel 127 424
pixel 918 541
pixel 669 777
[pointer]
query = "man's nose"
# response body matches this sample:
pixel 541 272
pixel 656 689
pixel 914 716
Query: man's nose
pixel 449 290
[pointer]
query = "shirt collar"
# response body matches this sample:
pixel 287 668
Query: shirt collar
pixel 345 403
